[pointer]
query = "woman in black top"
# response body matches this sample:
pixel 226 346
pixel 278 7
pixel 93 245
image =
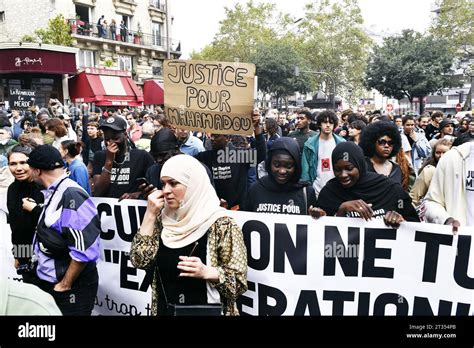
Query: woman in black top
pixel 21 197
pixel 281 191
pixel 356 192
pixel 381 141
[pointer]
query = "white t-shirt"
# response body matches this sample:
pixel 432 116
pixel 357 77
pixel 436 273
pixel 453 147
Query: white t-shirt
pixel 405 143
pixel 324 170
pixel 470 187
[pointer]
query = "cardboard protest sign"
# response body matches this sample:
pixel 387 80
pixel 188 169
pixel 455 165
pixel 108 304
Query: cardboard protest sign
pixel 21 98
pixel 215 97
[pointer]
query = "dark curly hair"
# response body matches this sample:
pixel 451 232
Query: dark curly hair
pixel 375 131
pixel 327 116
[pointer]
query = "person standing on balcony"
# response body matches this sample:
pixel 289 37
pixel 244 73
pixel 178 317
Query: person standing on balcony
pixel 100 24
pixel 113 29
pixel 123 31
pixel 104 29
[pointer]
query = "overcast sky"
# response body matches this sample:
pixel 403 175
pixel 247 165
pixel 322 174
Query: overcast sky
pixel 196 22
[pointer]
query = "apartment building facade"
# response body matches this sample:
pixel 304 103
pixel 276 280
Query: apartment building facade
pixel 130 53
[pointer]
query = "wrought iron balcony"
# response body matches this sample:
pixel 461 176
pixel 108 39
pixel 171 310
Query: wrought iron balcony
pixel 158 5
pixel 84 29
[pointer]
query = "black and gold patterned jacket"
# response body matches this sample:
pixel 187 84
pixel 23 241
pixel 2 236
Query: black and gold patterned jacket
pixel 227 253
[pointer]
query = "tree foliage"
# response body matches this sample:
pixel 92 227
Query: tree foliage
pixel 455 23
pixel 276 63
pixel 410 65
pixel 334 42
pixel 58 32
pixel 29 38
pixel 329 38
pixel 242 31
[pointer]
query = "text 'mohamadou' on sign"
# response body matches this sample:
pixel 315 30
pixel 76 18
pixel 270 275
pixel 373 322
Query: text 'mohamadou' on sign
pixel 215 97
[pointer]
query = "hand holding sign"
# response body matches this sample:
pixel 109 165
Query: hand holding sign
pixel 393 219
pixel 357 206
pixel 453 222
pixel 256 122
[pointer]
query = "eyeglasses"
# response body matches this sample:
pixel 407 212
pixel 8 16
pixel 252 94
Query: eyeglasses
pixel 383 142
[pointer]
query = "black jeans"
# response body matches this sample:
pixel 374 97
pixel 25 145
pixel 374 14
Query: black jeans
pixel 80 299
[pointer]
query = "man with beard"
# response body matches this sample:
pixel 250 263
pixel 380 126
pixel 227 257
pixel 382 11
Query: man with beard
pixel 468 135
pixel 117 168
pixel 423 122
pixel 6 141
pixel 302 132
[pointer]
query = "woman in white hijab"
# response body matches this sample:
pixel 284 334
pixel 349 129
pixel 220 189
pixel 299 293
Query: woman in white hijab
pixel 196 250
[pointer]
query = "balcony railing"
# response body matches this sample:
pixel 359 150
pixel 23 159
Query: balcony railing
pixel 158 5
pixel 81 28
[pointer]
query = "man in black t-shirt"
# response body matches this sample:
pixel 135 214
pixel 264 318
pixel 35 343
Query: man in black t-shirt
pixel 117 168
pixel 433 128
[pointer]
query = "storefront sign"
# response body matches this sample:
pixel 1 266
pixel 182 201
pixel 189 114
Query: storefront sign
pixel 37 60
pixel 27 61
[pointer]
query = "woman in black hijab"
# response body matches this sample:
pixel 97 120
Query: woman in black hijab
pixel 356 192
pixel 281 191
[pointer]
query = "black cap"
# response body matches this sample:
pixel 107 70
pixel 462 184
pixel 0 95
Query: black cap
pixel 4 121
pixel 45 157
pixel 163 140
pixel 113 122
pixel 445 122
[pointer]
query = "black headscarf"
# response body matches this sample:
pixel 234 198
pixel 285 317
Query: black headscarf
pixel 287 146
pixel 371 187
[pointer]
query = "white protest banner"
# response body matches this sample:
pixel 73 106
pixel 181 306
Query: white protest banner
pixel 215 97
pixel 123 289
pixel 6 256
pixel 301 266
pixel 343 266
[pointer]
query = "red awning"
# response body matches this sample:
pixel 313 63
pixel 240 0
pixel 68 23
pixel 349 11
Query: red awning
pixel 37 60
pixel 104 90
pixel 153 92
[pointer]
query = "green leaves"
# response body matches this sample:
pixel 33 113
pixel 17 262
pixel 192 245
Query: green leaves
pixel 410 65
pixel 57 33
pixel 276 63
pixel 329 38
pixel 455 23
pixel 242 31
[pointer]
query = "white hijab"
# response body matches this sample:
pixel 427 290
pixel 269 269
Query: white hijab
pixel 199 209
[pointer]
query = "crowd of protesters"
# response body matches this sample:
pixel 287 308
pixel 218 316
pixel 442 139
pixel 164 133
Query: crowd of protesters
pixel 347 164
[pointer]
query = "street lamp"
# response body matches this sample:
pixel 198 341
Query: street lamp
pixel 297 73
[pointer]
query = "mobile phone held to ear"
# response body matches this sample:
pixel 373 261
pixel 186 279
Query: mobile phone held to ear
pixel 142 180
